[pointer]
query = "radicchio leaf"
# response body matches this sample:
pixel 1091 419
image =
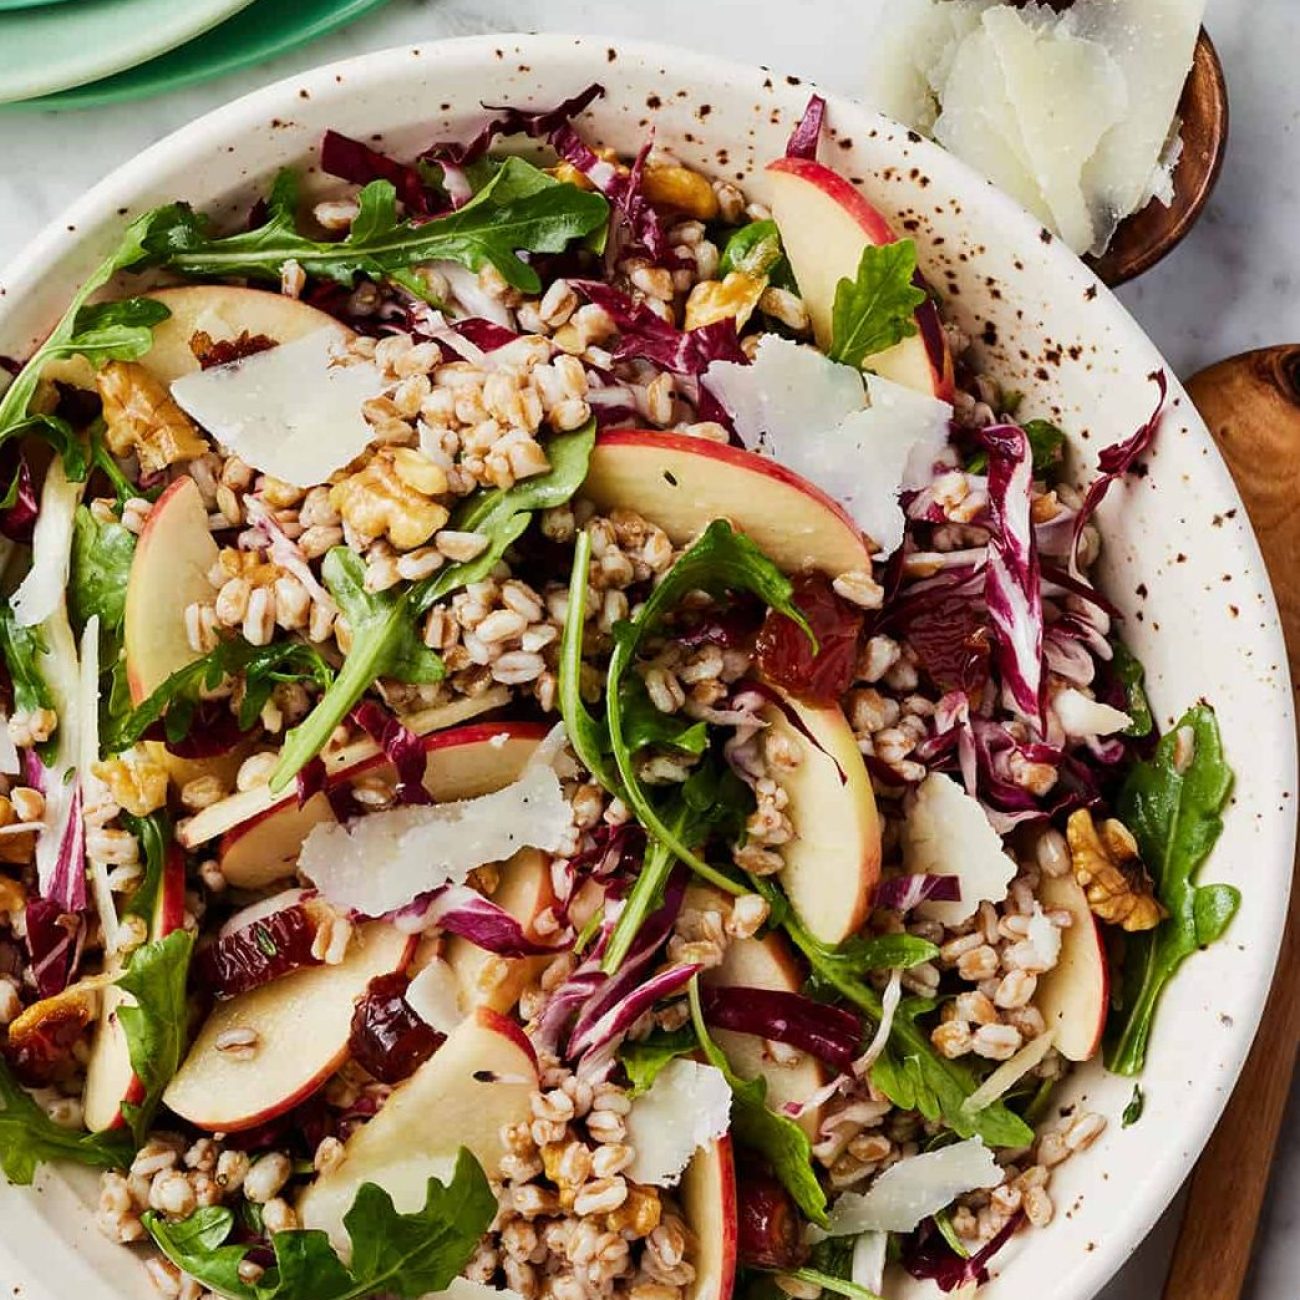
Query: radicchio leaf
pixel 829 1033
pixel 807 134
pixel 52 944
pixel 458 909
pixel 350 160
pixel 928 1256
pixel 18 519
pixel 1013 587
pixel 903 893
pixel 402 747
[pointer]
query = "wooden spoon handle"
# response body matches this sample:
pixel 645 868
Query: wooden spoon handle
pixel 1252 405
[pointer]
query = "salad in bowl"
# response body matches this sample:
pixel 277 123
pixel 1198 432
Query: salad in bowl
pixel 563 739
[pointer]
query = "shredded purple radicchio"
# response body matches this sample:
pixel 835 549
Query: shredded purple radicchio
pixel 64 882
pixel 928 1256
pixel 829 1033
pixel 1013 585
pixel 903 893
pixel 351 160
pixel 401 746
pixel 18 521
pixel 54 944
pixel 458 909
pixel 807 135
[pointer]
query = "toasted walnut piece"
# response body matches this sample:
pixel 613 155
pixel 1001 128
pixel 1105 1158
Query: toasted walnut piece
pixel 13 897
pixel 141 416
pixel 669 185
pixel 135 780
pixel 15 849
pixel 381 500
pixel 639 1215
pixel 1106 863
pixel 715 300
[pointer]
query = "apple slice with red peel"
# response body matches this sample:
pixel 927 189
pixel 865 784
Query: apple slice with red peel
pixel 832 864
pixel 110 1081
pixel 1074 995
pixel 476 1084
pixel 708 1198
pixel 169 572
pixel 825 223
pixel 683 483
pixel 461 763
pixel 768 963
pixel 484 978
pixel 301 1022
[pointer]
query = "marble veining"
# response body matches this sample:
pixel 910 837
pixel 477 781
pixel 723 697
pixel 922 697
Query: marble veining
pixel 1231 286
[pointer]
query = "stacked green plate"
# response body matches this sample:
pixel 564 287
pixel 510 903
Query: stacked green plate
pixel 83 53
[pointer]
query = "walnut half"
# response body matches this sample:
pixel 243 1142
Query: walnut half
pixel 1114 879
pixel 141 416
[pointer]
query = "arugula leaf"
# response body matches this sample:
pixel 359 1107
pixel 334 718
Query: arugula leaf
pixel 876 309
pixel 405 1255
pixel 101 563
pixel 519 210
pixel 854 958
pixel 120 331
pixel 1174 812
pixel 720 561
pixel 262 667
pixel 756 250
pixel 1128 669
pixel 385 632
pixel 644 1060
pixel 155 835
pixel 910 1072
pixel 777 1138
pixel 22 648
pixel 1133 1111
pixel 155 1026
pixel 834 1283
pixel 1046 442
pixel 29 1137
pixel 644 725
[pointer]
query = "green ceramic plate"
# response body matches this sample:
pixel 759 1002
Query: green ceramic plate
pixel 269 28
pixel 52 48
pixel 26 4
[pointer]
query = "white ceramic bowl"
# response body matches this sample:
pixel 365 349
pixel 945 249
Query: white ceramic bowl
pixel 1180 559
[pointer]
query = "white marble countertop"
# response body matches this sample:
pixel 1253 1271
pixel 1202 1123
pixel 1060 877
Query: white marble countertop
pixel 1230 287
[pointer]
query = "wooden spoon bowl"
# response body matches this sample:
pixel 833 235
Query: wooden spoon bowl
pixel 1148 235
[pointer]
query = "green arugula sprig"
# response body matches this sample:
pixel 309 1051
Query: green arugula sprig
pixel 30 1138
pixel 645 1059
pixel 520 209
pixel 262 667
pixel 385 625
pixel 876 309
pixel 22 649
pixel 1173 804
pixel 777 1138
pixel 1130 673
pixel 405 1255
pixel 155 1024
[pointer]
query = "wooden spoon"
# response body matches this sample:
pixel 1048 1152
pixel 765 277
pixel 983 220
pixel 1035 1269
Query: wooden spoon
pixel 1252 405
pixel 1145 237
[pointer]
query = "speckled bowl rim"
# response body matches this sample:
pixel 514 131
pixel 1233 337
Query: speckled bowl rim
pixel 1221 992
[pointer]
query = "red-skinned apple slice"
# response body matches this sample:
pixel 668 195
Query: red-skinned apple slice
pixel 110 1081
pixel 833 863
pixel 302 1022
pixel 766 963
pixel 477 1083
pixel 708 1196
pixel 462 762
pixel 683 483
pixel 169 573
pixel 825 223
pixel 1073 996
pixel 482 977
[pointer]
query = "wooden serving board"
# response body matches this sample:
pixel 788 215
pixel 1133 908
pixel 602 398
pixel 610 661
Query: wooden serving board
pixel 1252 406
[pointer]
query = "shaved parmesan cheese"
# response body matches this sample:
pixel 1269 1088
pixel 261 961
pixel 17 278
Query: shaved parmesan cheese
pixel 1153 43
pixel 789 393
pixel 915 1188
pixel 687 1107
pixel 1081 716
pixel 1045 937
pixel 867 1268
pixel 1009 1073
pixel 434 996
pixel 62 674
pixel 291 411
pixel 889 1001
pixel 41 592
pixel 807 412
pixel 382 862
pixel 1066 94
pixel 947 833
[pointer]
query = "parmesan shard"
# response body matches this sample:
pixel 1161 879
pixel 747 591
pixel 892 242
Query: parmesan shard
pixel 1009 1073
pixel 947 833
pixel 915 1188
pixel 1066 93
pixel 382 862
pixel 1081 716
pixel 434 996
pixel 292 411
pixel 687 1107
